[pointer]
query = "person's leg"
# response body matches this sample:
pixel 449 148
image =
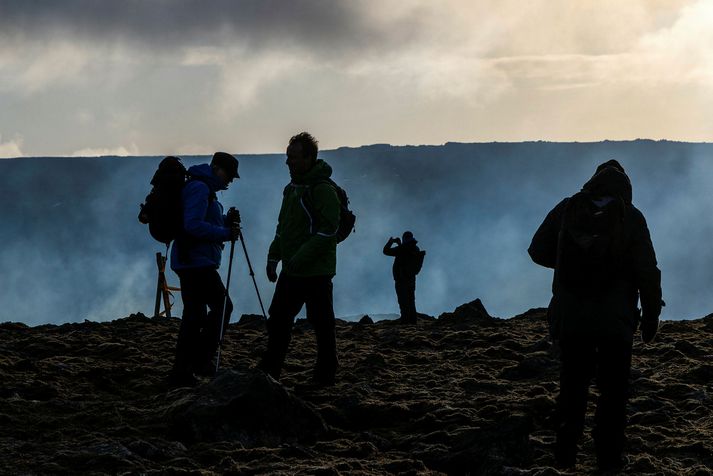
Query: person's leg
pixel 214 295
pixel 194 314
pixel 576 371
pixel 402 297
pixel 410 295
pixel 614 364
pixel 320 313
pixel 286 303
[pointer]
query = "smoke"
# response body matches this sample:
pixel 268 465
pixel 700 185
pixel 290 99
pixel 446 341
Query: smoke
pixel 73 248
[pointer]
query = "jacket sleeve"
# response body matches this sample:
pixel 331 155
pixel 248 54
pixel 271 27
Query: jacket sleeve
pixel 327 207
pixel 389 251
pixel 543 248
pixel 648 275
pixel 274 254
pixel 195 206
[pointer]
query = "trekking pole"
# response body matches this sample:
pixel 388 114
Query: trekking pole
pixel 252 273
pixel 225 303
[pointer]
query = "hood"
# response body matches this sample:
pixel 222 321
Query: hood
pixel 205 173
pixel 319 173
pixel 610 181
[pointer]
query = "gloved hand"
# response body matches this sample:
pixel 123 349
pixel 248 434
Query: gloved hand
pixel 235 231
pixel 233 216
pixel 649 327
pixel 271 271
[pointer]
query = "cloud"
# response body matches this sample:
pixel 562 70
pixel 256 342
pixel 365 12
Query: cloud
pixel 120 151
pixel 11 148
pixel 243 74
pixel 161 24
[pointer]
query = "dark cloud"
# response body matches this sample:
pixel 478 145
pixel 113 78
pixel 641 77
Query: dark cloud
pixel 254 24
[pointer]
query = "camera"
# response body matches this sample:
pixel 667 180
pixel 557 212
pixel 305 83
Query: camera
pixel 233 216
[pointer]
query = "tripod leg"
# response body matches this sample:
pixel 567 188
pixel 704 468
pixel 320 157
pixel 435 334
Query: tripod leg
pixel 159 286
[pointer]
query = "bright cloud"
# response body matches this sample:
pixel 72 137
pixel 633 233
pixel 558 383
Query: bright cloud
pixel 116 151
pixel 240 75
pixel 11 148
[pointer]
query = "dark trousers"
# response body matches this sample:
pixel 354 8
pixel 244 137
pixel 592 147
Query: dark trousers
pixel 609 362
pixel 406 295
pixel 291 293
pixel 203 296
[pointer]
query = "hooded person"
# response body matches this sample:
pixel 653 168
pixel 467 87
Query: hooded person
pixel 306 244
pixel 600 248
pixel 408 259
pixel 196 257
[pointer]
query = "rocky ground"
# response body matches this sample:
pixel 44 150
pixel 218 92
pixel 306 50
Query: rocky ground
pixel 465 393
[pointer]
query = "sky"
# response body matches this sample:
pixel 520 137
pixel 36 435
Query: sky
pixel 137 77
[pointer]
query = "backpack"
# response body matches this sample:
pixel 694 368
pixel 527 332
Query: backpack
pixel 411 262
pixel 347 218
pixel 163 210
pixel 418 261
pixel 590 244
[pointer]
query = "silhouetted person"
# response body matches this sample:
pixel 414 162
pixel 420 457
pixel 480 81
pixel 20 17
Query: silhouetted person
pixel 599 246
pixel 306 244
pixel 408 259
pixel 195 257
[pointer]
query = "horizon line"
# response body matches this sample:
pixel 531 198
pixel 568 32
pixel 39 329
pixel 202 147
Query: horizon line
pixel 377 144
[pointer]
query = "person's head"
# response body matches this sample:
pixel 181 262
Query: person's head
pixel 610 163
pixel 407 237
pixel 225 167
pixel 610 179
pixel 301 153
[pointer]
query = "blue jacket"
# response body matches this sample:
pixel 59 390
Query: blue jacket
pixel 203 222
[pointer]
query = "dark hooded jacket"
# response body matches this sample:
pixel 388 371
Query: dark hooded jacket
pixel 611 313
pixel 204 230
pixel 407 256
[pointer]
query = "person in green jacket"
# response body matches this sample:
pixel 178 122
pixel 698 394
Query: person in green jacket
pixel 306 244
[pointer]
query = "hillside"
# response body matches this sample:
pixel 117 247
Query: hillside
pixel 463 393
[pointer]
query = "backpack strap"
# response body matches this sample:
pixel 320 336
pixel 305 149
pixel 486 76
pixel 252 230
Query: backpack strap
pixel 309 202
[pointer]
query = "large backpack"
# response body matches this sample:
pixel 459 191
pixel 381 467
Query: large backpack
pixel 347 218
pixel 163 210
pixel 418 261
pixel 591 241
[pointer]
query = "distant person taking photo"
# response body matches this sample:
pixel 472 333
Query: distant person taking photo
pixel 599 246
pixel 408 260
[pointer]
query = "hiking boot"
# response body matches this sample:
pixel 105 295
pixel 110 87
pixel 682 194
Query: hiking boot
pixel 565 455
pixel 181 379
pixel 207 369
pixel 323 378
pixel 406 321
pixel 611 464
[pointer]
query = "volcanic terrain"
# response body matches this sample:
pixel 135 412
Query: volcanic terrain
pixel 464 393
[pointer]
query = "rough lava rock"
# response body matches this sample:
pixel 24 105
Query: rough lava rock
pixel 463 394
pixel 472 312
pixel 245 406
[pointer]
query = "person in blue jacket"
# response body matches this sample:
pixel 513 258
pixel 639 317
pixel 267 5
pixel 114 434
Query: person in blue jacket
pixel 195 257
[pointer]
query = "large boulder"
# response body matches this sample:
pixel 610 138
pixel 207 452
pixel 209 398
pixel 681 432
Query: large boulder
pixel 468 314
pixel 245 406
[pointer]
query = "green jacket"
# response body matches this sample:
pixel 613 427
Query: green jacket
pixel 306 244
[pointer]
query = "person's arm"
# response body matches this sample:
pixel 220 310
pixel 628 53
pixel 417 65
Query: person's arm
pixel 389 250
pixel 274 254
pixel 648 277
pixel 326 205
pixel 543 248
pixel 196 195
